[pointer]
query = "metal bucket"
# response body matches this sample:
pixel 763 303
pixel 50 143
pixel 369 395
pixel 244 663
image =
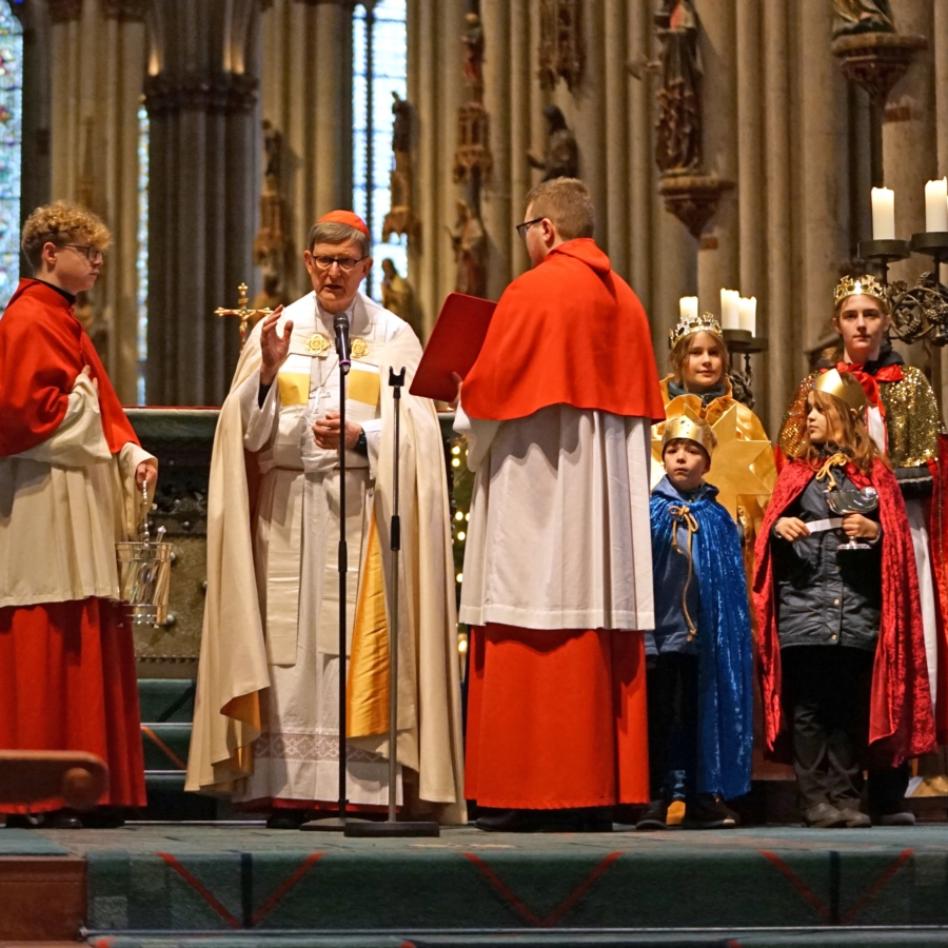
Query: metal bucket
pixel 144 568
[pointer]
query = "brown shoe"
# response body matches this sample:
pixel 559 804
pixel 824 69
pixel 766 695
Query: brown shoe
pixel 823 816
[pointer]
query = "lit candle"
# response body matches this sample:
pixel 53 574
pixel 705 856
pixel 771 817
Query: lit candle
pixel 748 313
pixel 936 206
pixel 730 312
pixel 688 307
pixel 883 214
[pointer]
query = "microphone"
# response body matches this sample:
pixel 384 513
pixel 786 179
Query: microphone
pixel 341 326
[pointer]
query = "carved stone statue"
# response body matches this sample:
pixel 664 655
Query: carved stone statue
pixel 470 251
pixel 472 42
pixel 273 154
pixel 678 142
pixel 270 296
pixel 398 295
pixel 862 16
pixel 561 52
pixel 401 123
pixel 561 159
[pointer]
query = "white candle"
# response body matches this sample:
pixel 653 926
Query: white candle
pixel 730 312
pixel 748 313
pixel 936 206
pixel 883 214
pixel 688 307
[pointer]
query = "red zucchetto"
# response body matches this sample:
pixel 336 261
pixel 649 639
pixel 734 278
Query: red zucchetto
pixel 349 218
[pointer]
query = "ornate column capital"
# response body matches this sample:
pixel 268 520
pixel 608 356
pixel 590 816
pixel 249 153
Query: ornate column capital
pixel 126 11
pixel 62 11
pixel 221 92
pixel 693 199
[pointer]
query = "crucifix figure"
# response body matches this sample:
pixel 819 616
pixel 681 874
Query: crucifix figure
pixel 247 315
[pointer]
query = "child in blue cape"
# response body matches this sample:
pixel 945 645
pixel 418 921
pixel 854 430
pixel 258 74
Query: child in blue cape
pixel 699 654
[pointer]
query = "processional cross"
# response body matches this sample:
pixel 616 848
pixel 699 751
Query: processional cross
pixel 243 312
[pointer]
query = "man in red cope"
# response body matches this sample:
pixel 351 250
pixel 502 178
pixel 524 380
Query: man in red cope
pixel 71 473
pixel 558 572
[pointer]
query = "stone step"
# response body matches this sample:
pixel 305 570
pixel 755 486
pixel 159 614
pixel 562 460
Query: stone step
pixel 166 745
pixel 164 700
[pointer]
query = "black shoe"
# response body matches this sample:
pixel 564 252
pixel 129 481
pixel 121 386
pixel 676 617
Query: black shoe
pixel 102 818
pixel 823 816
pixel 854 818
pixel 896 818
pixel 24 821
pixel 654 817
pixel 510 821
pixel 61 820
pixel 709 813
pixel 286 819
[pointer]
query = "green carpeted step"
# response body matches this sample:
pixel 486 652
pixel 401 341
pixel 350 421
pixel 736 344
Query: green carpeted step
pixel 166 699
pixel 802 938
pixel 166 745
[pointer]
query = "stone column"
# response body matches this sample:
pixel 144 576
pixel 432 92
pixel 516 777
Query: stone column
pixel 435 92
pixel 200 94
pixel 614 214
pixel 783 364
pixel 821 155
pixel 718 249
pixel 306 94
pixel 98 62
pixel 499 207
pixel 909 156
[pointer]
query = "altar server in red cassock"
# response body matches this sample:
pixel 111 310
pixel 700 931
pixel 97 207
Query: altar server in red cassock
pixel 558 574
pixel 71 473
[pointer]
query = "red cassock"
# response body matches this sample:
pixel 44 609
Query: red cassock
pixel 557 718
pixel 67 669
pixel 901 722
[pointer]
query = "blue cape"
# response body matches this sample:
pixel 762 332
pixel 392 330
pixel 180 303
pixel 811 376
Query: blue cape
pixel 725 702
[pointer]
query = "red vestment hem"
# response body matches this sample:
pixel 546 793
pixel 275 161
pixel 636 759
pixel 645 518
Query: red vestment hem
pixel 556 719
pixel 67 682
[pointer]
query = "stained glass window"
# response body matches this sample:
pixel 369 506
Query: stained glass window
pixel 380 68
pixel 11 138
pixel 141 257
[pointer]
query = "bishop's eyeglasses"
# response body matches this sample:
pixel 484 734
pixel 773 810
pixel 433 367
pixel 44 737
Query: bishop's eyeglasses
pixel 344 263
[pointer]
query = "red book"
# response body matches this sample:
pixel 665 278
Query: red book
pixel 455 342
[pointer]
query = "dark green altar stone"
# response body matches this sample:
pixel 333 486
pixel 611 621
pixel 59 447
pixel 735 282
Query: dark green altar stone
pixel 181 439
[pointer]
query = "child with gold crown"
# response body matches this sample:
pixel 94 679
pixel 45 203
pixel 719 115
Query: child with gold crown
pixel 841 648
pixel 698 658
pixel 700 385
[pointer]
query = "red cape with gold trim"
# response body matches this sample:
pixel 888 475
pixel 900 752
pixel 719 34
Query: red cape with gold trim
pixel 43 348
pixel 901 722
pixel 570 332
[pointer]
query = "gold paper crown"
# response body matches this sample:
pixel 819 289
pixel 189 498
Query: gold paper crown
pixel 843 386
pixel 865 285
pixel 687 325
pixel 691 429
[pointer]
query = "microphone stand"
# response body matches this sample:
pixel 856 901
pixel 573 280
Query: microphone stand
pixel 392 826
pixel 338 823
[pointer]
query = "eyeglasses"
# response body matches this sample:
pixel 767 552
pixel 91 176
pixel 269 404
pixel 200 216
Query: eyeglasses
pixel 524 226
pixel 344 263
pixel 92 254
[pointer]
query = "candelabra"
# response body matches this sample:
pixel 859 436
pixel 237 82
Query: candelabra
pixel 919 311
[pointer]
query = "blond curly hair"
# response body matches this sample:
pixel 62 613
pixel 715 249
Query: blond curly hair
pixel 62 223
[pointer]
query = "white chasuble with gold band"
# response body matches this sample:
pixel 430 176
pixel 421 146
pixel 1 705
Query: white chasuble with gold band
pixel 266 709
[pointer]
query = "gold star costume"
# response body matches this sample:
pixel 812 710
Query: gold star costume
pixel 743 470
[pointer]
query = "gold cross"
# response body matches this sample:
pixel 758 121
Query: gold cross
pixel 243 312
